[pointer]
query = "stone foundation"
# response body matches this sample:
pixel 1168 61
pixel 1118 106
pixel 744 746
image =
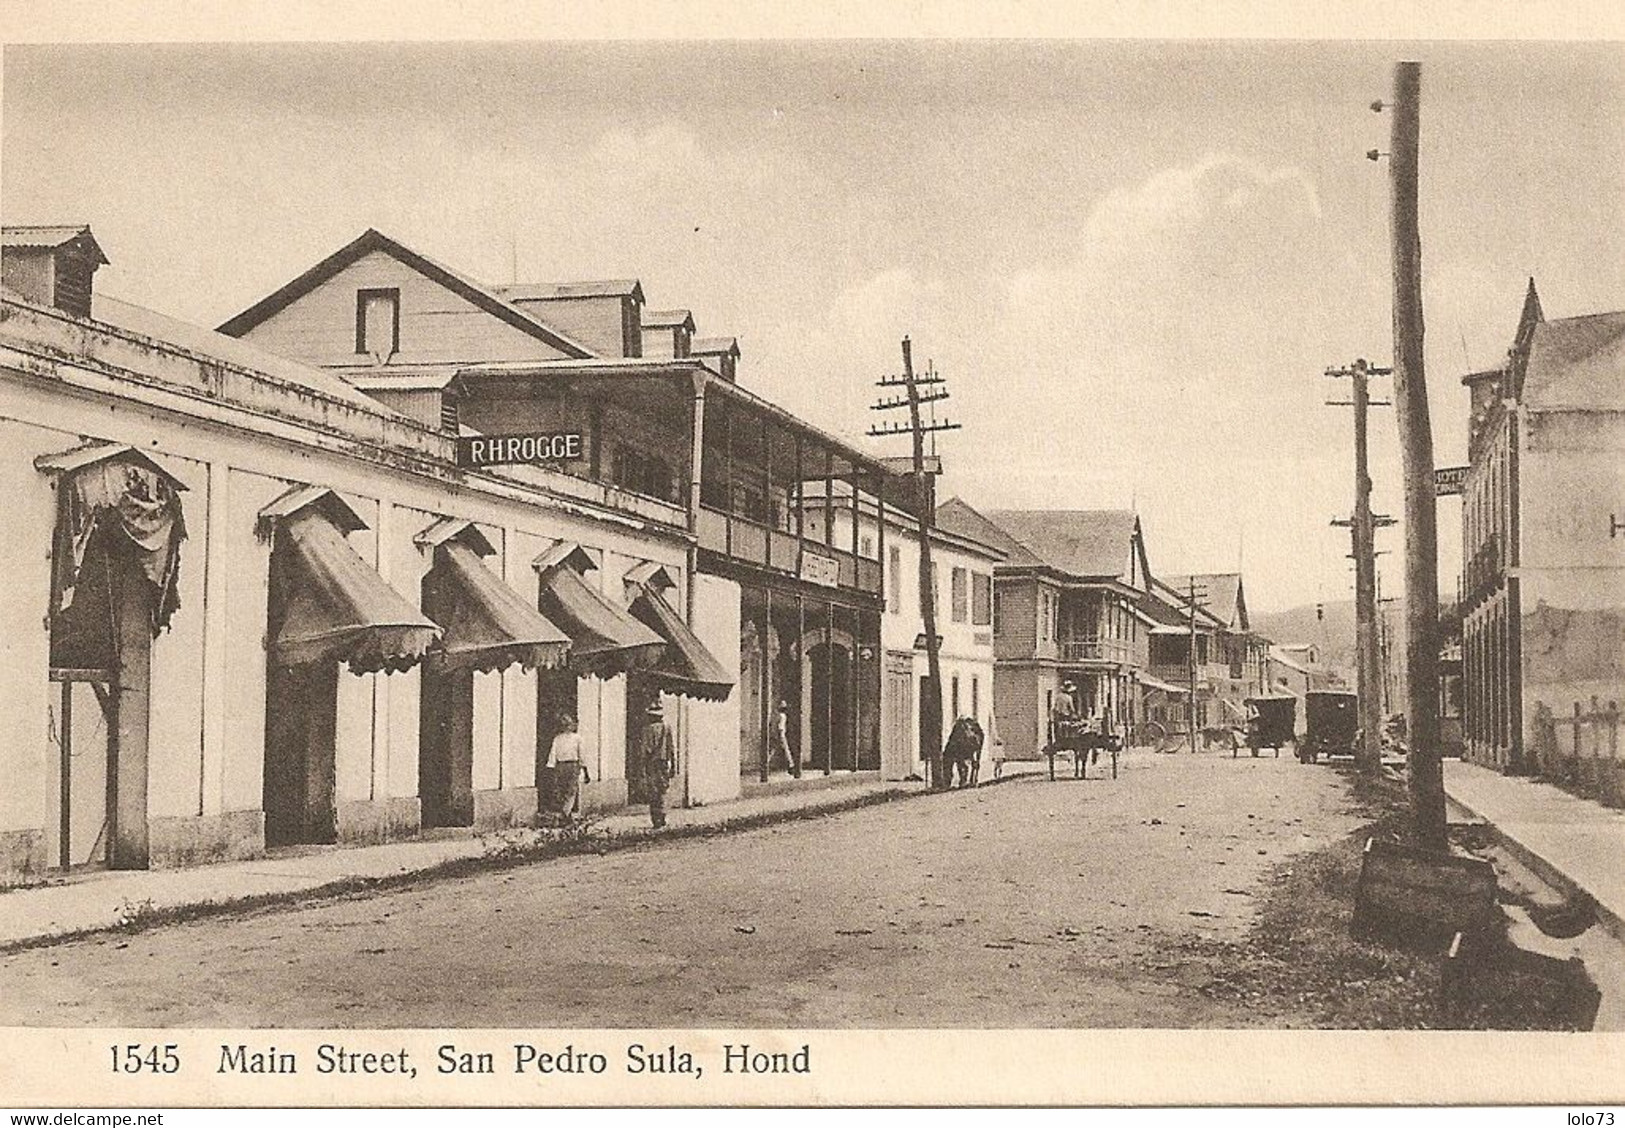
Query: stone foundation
pixel 193 840
pixel 22 855
pixel 498 810
pixel 367 822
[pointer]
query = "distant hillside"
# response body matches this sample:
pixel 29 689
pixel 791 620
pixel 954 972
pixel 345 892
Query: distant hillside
pixel 1334 633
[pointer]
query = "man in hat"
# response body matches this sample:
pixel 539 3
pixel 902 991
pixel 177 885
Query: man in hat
pixel 659 761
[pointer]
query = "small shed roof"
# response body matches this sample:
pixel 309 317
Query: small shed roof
pixel 51 236
pixel 557 291
pixel 715 346
pixel 668 319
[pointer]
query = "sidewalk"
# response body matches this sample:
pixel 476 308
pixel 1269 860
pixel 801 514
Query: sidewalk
pixel 105 899
pixel 1571 842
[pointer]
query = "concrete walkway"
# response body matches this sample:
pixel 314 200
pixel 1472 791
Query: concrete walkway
pixel 1573 843
pixel 106 899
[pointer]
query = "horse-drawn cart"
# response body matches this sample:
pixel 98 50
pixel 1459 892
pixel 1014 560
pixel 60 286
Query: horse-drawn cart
pixel 1084 741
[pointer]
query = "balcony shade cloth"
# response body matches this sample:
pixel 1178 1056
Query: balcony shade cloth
pixel 604 639
pixel 1165 687
pixel 486 625
pixel 687 667
pixel 335 606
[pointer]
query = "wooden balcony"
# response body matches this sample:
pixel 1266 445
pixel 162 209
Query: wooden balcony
pixel 751 542
pixel 1105 651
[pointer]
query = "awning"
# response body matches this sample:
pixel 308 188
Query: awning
pixel 121 489
pixel 687 667
pixel 604 639
pixel 486 625
pixel 1165 687
pixel 335 606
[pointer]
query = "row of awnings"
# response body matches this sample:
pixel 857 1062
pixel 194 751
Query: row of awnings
pixel 337 608
pixel 329 605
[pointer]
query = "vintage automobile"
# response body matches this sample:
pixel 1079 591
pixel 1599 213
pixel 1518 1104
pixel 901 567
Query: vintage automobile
pixel 1272 722
pixel 1333 719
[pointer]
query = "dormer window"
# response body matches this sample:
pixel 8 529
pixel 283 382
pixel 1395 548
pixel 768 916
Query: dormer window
pixel 378 323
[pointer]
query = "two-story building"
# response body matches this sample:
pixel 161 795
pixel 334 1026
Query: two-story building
pixel 1231 662
pixel 251 604
pixel 1543 546
pixel 790 609
pixel 1067 609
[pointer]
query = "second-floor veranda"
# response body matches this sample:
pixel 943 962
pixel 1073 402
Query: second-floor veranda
pixel 750 474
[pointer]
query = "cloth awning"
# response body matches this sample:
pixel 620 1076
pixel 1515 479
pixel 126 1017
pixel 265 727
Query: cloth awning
pixel 335 606
pixel 113 487
pixel 486 624
pixel 1165 687
pixel 688 667
pixel 604 639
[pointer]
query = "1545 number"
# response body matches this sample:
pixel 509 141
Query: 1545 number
pixel 138 1057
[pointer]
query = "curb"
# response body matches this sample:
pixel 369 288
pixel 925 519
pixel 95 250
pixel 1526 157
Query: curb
pixel 1543 869
pixel 465 866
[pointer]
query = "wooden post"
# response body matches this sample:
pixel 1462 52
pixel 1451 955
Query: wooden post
pixel 769 707
pixel 65 784
pixel 930 703
pixel 1190 667
pixel 1369 680
pixel 1416 443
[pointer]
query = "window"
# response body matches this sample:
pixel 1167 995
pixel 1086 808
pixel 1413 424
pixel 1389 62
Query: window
pixel 998 614
pixel 954 696
pixel 975 697
pixel 866 546
pixel 378 323
pixel 981 603
pixel 960 595
pixel 894 579
pixel 1043 615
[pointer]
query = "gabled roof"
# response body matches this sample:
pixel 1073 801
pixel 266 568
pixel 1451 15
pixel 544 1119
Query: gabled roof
pixel 668 319
pixel 956 517
pixel 51 236
pixel 557 291
pixel 1223 595
pixel 715 346
pixel 1171 611
pixel 1085 543
pixel 1577 363
pixel 373 240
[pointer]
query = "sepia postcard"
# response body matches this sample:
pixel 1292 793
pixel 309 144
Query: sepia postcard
pixel 695 555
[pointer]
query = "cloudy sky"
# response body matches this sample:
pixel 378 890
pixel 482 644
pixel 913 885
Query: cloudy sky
pixel 1131 260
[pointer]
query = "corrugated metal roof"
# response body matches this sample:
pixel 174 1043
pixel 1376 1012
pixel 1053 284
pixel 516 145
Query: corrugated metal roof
pixel 47 236
pixel 959 518
pixel 554 291
pixel 1577 363
pixel 1093 543
pixel 667 319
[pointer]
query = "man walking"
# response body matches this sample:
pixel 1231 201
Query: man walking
pixel 659 762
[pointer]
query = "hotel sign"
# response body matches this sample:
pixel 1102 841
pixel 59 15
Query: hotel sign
pixel 824 571
pixel 541 446
pixel 1449 480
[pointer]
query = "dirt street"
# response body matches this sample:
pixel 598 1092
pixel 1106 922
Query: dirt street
pixel 1028 903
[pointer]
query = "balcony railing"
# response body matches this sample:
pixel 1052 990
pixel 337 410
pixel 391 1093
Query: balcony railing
pixel 750 542
pixel 1095 650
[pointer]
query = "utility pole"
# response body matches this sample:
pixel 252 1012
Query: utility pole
pixel 1362 528
pixel 1194 599
pixel 1416 446
pixel 925 506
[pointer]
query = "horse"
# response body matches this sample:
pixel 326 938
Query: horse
pixel 962 754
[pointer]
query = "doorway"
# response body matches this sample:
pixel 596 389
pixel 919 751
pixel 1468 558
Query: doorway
pixel 446 747
pixel 898 746
pixel 301 719
pixel 831 721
